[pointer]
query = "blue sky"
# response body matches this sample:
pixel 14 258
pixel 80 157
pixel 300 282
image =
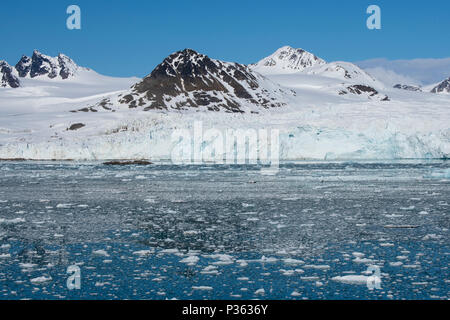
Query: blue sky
pixel 126 38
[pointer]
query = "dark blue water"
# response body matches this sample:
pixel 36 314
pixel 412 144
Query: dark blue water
pixel 225 232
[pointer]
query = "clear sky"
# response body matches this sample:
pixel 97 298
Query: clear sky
pixel 129 38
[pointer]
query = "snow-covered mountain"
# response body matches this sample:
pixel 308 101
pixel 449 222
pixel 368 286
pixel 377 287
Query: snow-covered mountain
pixel 188 79
pixel 8 78
pixel 287 59
pixel 299 68
pixel 443 87
pixel 41 65
pixel 323 111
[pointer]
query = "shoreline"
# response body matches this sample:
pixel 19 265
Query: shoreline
pixel 167 161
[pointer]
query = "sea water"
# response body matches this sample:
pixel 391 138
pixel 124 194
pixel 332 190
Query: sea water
pixel 315 230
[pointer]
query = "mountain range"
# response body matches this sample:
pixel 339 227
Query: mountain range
pixel 52 108
pixel 188 62
pixel 37 66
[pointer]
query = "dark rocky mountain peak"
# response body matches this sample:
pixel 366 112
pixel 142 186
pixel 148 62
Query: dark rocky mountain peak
pixel 407 87
pixel 42 65
pixel 443 87
pixel 23 67
pixel 7 77
pixel 188 79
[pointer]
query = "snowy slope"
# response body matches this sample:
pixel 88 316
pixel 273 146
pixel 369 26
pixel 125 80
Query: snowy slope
pixel 345 71
pixel 314 119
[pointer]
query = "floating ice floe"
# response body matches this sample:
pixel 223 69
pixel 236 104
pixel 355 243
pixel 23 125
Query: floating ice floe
pixel 312 278
pixel 363 260
pixel 27 265
pixel 101 253
pixel 352 279
pixel 143 253
pixel 191 260
pixel 358 254
pixel 64 205
pixel 260 292
pixel 287 273
pixel 41 280
pixel 190 232
pixel 202 288
pixel 293 261
pixel 170 251
pixel 317 267
pixel 432 236
pixel 212 270
pixel 12 221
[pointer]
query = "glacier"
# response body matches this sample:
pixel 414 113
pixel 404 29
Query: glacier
pixel 151 138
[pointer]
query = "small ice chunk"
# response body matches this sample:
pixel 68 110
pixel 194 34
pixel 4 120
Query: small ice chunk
pixel 64 205
pixel 317 267
pixel 191 260
pixel 260 292
pixel 363 260
pixel 352 279
pixel 143 253
pixel 358 254
pixel 296 294
pixel 102 253
pixel 40 280
pixel 293 261
pixel 12 221
pixel 202 288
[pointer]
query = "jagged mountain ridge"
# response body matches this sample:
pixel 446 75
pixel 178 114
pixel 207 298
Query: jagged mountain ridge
pixel 61 67
pixel 188 79
pixel 8 78
pixel 38 66
pixel 443 87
